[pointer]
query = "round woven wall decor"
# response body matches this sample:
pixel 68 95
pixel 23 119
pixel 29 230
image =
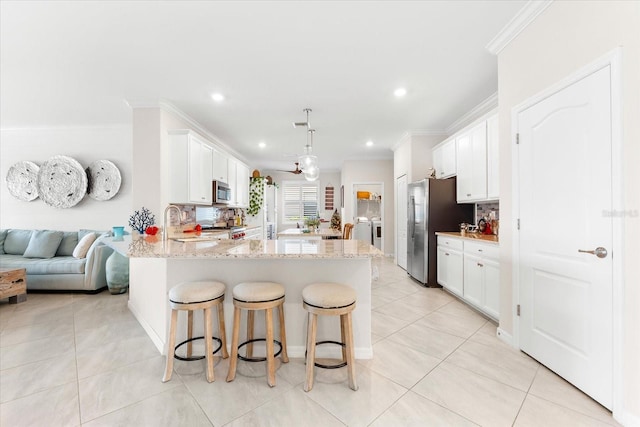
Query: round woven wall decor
pixel 22 181
pixel 104 180
pixel 62 182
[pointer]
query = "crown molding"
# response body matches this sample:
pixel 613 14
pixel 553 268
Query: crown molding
pixel 519 22
pixel 417 132
pixel 167 106
pixel 484 107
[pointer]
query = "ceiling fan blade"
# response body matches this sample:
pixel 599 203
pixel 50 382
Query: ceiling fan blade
pixel 297 171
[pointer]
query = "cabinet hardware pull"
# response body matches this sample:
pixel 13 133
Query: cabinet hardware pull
pixel 446 253
pixel 479 250
pixel 468 194
pixel 480 265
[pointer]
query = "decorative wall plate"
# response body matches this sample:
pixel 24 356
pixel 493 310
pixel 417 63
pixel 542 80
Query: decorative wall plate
pixel 104 180
pixel 62 182
pixel 22 181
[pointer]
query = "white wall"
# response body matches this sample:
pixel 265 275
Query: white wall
pixel 86 145
pixel 564 38
pixel 360 171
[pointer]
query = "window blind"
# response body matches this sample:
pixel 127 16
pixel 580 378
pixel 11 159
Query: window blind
pixel 300 200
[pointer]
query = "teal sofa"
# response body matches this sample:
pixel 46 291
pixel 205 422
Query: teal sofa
pixel 61 271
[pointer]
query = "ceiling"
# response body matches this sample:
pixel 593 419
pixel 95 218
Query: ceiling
pixel 75 63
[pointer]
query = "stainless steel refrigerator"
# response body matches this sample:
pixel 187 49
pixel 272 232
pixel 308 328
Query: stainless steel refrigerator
pixel 431 207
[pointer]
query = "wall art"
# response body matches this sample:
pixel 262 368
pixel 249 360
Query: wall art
pixel 104 180
pixel 62 182
pixel 22 181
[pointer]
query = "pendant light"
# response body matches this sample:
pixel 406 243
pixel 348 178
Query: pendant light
pixel 308 162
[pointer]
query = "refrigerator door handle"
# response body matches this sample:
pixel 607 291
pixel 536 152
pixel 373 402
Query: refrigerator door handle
pixel 412 216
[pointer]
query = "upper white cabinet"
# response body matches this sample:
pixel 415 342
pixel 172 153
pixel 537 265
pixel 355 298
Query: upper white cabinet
pixel 471 162
pixel 444 159
pixel 190 164
pixel 231 170
pixel 242 185
pixel 493 159
pixel 473 156
pixel 220 166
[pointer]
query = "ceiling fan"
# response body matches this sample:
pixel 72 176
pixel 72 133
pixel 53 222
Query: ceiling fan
pixel 298 171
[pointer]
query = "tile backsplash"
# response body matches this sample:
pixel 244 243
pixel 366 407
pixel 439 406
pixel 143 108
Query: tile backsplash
pixel 483 209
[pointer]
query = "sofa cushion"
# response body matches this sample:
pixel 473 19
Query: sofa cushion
pixel 56 265
pixel 16 241
pixel 3 235
pixel 83 246
pixel 43 244
pixel 68 244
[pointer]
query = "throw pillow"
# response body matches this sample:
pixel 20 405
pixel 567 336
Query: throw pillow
pixel 3 235
pixel 83 246
pixel 68 244
pixel 16 241
pixel 43 244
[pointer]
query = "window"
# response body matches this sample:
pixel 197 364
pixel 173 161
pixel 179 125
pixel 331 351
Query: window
pixel 299 201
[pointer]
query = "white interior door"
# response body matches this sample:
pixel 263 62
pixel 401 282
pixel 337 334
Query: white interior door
pixel 565 191
pixel 401 221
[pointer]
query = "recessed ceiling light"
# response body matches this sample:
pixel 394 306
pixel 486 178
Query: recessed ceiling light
pixel 218 97
pixel 262 144
pixel 400 92
pixel 369 143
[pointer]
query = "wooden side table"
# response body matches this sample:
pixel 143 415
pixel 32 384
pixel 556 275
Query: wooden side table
pixel 13 284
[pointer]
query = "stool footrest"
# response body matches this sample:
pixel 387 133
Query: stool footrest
pixel 258 359
pixel 337 365
pixel 190 359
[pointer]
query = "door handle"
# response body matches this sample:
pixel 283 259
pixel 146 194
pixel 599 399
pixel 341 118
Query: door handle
pixel 600 252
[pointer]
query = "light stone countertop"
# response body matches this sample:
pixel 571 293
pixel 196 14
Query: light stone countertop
pixel 321 232
pixel 153 247
pixel 485 238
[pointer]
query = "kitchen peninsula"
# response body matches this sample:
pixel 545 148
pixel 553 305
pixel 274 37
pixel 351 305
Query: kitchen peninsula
pixel 155 267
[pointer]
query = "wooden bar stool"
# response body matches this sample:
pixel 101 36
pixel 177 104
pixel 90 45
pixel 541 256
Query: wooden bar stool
pixel 190 296
pixel 253 296
pixel 330 299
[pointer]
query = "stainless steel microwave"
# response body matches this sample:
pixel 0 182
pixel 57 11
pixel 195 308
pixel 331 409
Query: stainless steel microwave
pixel 221 193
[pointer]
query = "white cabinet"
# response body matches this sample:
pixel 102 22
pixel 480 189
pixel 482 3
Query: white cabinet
pixel 444 159
pixel 242 185
pixel 220 166
pixel 450 267
pixel 190 162
pixel 231 170
pixel 482 277
pixel 471 162
pixel 471 271
pixel 493 159
pixel 254 234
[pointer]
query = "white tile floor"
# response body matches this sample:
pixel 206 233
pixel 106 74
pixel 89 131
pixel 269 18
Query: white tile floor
pixel 70 360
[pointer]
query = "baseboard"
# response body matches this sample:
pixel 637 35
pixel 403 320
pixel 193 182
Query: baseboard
pixel 627 419
pixel 504 336
pixel 148 329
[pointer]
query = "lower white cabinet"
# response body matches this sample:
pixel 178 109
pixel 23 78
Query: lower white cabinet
pixel 450 267
pixel 471 270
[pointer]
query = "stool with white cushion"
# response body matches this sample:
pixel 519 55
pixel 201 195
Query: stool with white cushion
pixel 191 296
pixel 330 299
pixel 253 296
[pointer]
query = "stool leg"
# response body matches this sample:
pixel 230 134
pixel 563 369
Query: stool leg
pixel 311 350
pixel 208 344
pixel 171 347
pixel 189 332
pixel 234 345
pixel 283 334
pixel 223 330
pixel 343 337
pixel 250 322
pixel 271 365
pixel 351 366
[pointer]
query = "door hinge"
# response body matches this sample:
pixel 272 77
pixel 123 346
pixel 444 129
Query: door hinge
pixel 518 223
pixel 518 309
pixel 517 139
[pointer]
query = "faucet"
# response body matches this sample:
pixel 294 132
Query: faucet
pixel 165 231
